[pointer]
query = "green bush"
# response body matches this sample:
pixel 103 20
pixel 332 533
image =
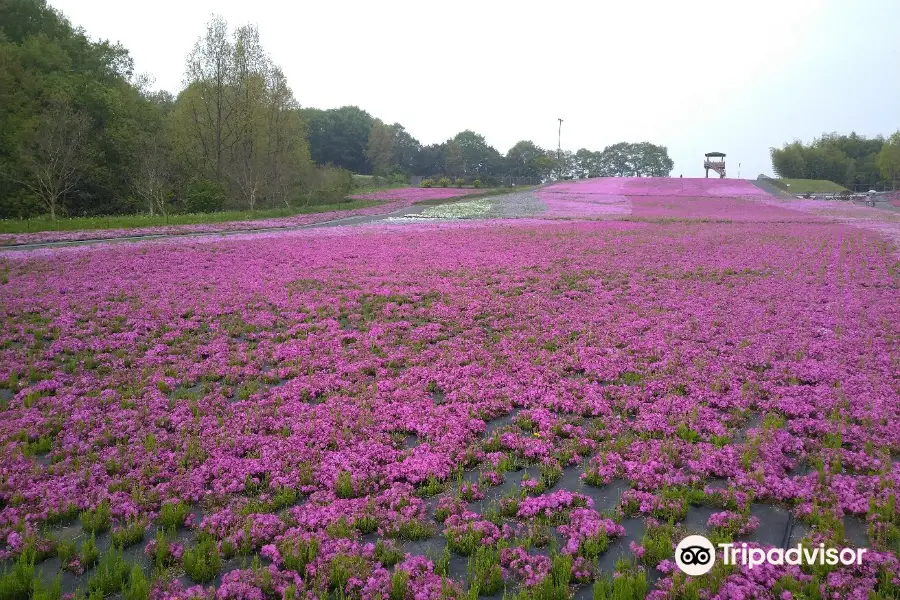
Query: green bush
pixel 53 592
pixel 327 185
pixel 459 182
pixel 343 488
pixel 629 583
pixel 129 534
pixel 484 573
pixel 18 581
pixel 476 183
pixel 173 514
pixel 426 183
pixel 88 553
pixel 203 195
pixel 297 553
pixel 387 553
pixel 202 562
pixel 98 519
pixel 111 574
pixel 138 587
pixel 399 178
pixel 444 182
pixel 399 585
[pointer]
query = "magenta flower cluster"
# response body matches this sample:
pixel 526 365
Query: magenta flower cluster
pixel 323 399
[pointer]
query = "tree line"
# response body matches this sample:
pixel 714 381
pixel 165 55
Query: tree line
pixel 854 161
pixel 82 134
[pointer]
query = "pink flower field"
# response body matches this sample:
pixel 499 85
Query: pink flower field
pixel 540 407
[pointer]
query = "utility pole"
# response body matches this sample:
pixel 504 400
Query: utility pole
pixel 559 150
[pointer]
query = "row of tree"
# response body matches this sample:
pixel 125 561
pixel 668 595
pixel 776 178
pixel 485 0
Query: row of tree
pixel 80 134
pixel 850 160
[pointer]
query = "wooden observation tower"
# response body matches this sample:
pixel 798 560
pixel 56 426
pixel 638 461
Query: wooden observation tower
pixel 716 162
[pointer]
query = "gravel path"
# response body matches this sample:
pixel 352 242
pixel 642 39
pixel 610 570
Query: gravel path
pixel 507 206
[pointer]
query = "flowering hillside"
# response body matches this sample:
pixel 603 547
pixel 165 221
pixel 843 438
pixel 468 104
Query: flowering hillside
pixel 450 410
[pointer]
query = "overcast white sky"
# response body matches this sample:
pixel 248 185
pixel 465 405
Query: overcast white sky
pixel 730 76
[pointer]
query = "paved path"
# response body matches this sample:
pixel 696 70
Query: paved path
pixel 407 211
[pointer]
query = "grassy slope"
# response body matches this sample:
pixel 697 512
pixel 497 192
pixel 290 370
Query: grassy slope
pixel 130 221
pixel 815 186
pixel 142 220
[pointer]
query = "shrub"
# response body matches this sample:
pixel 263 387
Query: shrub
pixel 54 592
pixel 173 514
pixel 18 581
pixel 432 487
pixel 476 183
pixel 387 553
pixel 203 195
pixel 484 573
pixel 343 488
pixel 111 574
pixel 426 183
pixel 413 530
pixel 129 534
pixel 297 553
pixel 399 585
pixel 343 567
pixel 444 182
pixel 459 182
pixel 366 524
pixel 202 562
pixel 327 185
pixel 138 587
pixel 398 178
pixel 629 583
pixel 88 553
pixel 97 519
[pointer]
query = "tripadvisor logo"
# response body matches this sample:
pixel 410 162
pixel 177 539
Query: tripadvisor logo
pixel 695 555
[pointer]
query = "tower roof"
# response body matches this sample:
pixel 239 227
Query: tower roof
pixel 715 154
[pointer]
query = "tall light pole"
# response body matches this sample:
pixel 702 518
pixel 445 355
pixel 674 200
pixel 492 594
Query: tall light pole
pixel 739 170
pixel 559 150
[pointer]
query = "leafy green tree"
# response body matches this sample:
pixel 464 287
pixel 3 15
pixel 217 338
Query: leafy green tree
pixel 522 159
pixel 546 165
pixel 339 136
pixel 634 160
pixel 470 155
pixel 651 160
pixel 585 163
pixel 48 64
pixel 849 160
pixel 430 160
pixel 406 149
pixel 380 148
pixel 454 159
pixel 888 160
pixel 789 161
pixel 616 161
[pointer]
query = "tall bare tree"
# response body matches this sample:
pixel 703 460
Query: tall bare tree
pixel 248 83
pixel 55 153
pixel 288 163
pixel 151 181
pixel 209 69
